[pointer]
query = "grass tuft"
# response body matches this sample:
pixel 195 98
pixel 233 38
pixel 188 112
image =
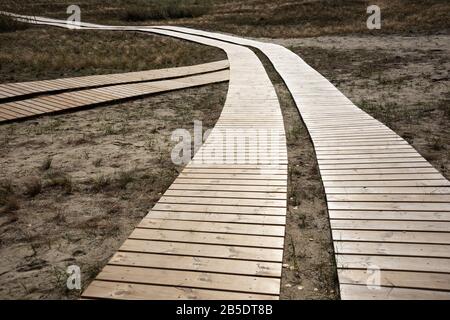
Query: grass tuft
pixel 8 200
pixel 32 187
pixel 164 10
pixel 57 179
pixel 8 24
pixel 100 182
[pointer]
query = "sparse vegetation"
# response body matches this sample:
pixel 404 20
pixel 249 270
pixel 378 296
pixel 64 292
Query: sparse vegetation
pixel 48 53
pixel 125 177
pixel 32 186
pixel 8 24
pixel 164 10
pixel 8 199
pixel 57 179
pixel 264 18
pixel 46 164
pixel 100 182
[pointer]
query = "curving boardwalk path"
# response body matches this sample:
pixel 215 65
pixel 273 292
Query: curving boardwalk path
pixel 218 232
pixel 25 89
pixel 20 109
pixel 389 208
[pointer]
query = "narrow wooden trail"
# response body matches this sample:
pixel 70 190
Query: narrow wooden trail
pixel 51 103
pixel 218 231
pixel 19 90
pixel 389 208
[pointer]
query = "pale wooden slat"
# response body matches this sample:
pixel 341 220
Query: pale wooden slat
pixel 133 291
pixel 217 265
pixel 191 279
pixel 237 228
pixel 347 261
pixel 392 249
pixel 415 280
pixel 359 292
pixel 218 217
pixel 391 236
pixel 207 238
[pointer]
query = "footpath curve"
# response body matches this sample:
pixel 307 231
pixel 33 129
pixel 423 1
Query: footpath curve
pixel 218 232
pixel 389 208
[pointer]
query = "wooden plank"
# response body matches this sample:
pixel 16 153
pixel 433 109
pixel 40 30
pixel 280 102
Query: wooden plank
pixel 391 183
pixel 132 291
pixel 220 209
pixel 425 264
pixel 191 279
pixel 390 198
pixel 223 201
pixel 414 206
pixel 217 265
pixel 237 228
pixel 358 292
pixel 398 279
pixel 328 172
pixel 389 190
pixel 392 249
pixel 391 236
pixel 244 182
pixel 203 250
pixel 207 238
pixel 229 188
pixel 389 215
pixel 370 161
pixel 218 217
pixel 433 226
pixel 226 194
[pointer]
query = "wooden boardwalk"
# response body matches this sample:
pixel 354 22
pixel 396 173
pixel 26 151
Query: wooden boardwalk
pixel 20 109
pixel 389 208
pixel 218 231
pixel 21 89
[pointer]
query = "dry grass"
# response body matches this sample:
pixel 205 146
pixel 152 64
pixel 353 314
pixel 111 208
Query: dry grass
pixel 43 53
pixel 164 10
pixel 261 18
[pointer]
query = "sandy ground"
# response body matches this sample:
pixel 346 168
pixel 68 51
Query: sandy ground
pixel 74 186
pixel 309 269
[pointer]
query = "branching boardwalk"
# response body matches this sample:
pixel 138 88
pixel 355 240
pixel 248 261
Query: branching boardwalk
pixel 218 232
pixel 389 208
pixel 25 89
pixel 19 109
